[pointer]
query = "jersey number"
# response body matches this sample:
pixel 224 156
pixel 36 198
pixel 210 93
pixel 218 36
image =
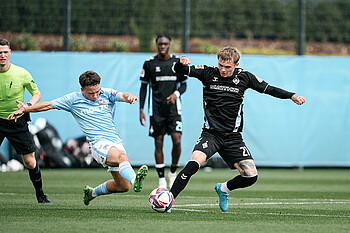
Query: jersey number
pixel 245 151
pixel 178 126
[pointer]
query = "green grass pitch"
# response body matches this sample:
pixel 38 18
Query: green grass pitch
pixel 283 200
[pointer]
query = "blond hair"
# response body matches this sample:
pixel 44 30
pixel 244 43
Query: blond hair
pixel 229 54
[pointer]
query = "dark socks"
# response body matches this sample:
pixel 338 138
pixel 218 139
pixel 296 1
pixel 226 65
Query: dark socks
pixel 241 182
pixel 35 177
pixel 173 168
pixel 183 177
pixel 160 171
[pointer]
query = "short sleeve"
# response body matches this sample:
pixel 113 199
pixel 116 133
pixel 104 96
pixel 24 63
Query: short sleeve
pixel 64 102
pixel 29 83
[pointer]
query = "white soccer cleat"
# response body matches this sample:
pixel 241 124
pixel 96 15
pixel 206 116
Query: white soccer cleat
pixel 162 183
pixel 171 177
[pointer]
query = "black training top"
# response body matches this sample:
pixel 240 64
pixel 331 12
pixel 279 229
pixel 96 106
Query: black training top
pixel 223 96
pixel 163 81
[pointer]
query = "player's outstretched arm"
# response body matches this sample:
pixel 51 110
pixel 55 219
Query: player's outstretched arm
pixel 128 98
pixel 298 99
pixel 39 107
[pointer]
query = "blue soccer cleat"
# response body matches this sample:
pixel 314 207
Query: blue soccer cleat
pixel 223 198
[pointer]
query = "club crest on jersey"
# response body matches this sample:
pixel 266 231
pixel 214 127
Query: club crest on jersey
pixel 235 80
pixel 158 69
pixel 199 66
pixel 142 73
pixel 205 145
pixel 101 101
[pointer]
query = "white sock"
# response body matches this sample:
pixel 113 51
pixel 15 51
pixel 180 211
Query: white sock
pixel 224 187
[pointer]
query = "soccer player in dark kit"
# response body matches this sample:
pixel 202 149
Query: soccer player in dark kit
pixel 164 103
pixel 223 93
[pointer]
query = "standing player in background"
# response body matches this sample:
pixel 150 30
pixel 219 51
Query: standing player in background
pixel 93 108
pixel 165 88
pixel 13 82
pixel 223 94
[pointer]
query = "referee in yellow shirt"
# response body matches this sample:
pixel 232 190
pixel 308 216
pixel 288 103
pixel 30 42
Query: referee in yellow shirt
pixel 13 82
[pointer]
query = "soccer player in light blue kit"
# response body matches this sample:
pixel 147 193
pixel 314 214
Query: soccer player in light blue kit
pixel 93 108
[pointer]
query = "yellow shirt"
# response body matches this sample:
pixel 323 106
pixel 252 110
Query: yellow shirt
pixel 12 86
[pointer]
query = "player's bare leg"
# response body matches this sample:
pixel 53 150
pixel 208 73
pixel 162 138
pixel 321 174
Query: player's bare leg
pixel 159 157
pixel 122 172
pixel 176 152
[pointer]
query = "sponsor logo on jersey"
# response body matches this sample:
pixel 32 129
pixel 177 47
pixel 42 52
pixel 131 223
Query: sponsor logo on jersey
pixel 142 73
pixel 100 108
pixel 199 66
pixel 235 80
pixel 158 69
pixel 166 78
pixel 224 88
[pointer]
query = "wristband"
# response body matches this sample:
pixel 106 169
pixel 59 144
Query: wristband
pixel 177 93
pixel 29 104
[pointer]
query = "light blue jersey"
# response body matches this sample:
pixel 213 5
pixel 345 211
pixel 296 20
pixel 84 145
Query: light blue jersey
pixel 96 119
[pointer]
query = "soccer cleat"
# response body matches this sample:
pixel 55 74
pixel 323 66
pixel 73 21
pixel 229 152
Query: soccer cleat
pixel 168 211
pixel 140 176
pixel 88 195
pixel 223 198
pixel 42 198
pixel 171 177
pixel 162 183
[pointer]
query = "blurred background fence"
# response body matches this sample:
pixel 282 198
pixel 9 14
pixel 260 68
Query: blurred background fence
pixel 296 20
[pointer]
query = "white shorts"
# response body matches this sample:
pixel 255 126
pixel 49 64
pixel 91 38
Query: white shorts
pixel 100 149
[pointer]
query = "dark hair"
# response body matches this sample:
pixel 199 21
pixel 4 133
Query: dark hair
pixel 163 35
pixel 4 42
pixel 89 78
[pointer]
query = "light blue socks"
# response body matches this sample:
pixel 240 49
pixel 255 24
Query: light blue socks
pixel 127 172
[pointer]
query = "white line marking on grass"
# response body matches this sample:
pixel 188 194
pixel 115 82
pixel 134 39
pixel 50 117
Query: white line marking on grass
pixel 8 193
pixel 270 203
pixel 277 214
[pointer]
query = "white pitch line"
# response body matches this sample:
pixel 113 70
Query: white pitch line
pixel 271 203
pixel 277 214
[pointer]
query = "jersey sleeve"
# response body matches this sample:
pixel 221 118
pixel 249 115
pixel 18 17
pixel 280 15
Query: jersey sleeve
pixel 29 83
pixel 113 95
pixel 256 83
pixel 64 102
pixel 145 73
pixel 197 71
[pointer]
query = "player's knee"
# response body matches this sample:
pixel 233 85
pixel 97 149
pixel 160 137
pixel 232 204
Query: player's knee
pixel 177 145
pixel 159 144
pixel 29 163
